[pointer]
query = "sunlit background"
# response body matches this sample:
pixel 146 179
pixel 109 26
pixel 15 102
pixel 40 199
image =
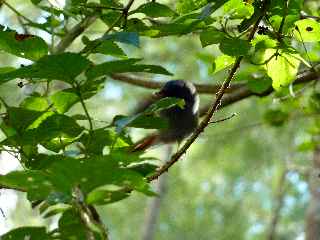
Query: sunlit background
pixel 226 186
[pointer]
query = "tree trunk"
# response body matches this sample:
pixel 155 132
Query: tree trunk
pixel 153 207
pixel 313 210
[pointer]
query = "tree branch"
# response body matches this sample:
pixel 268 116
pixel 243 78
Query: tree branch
pixel 148 83
pixel 73 34
pixel 244 92
pixel 271 235
pixel 91 223
pixel 212 109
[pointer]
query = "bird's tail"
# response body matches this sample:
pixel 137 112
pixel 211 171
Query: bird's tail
pixel 145 143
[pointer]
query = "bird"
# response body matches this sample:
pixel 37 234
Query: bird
pixel 182 121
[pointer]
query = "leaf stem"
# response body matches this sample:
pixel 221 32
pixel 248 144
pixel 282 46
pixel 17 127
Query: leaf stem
pixel 77 87
pixel 17 12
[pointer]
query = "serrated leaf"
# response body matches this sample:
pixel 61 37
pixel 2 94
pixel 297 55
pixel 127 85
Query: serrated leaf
pixel 122 66
pixel 22 45
pixel 185 6
pixel 221 62
pixel 34 233
pixel 148 119
pixel 261 42
pixel 35 103
pixel 238 9
pixel 154 9
pixel 211 36
pixel 69 221
pixel 259 85
pixel 110 48
pixel 64 67
pixel 103 196
pixel 235 47
pixel 282 68
pixel 131 38
pixel 59 125
pixel 145 168
pixel 140 121
pixel 165 103
pixel 64 100
pixel 307 30
pixel 34 182
pixel 21 118
pixel 95 142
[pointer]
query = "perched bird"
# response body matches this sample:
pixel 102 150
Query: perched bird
pixel 181 121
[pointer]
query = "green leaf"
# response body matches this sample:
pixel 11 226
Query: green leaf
pixel 276 117
pixel 32 233
pixel 70 226
pixel 165 103
pixel 235 47
pixel 211 36
pixel 314 102
pixel 259 85
pixel 36 2
pixel 74 172
pixel 111 3
pixel 35 102
pixel 140 121
pixel 262 42
pixel 64 100
pixel 282 68
pixel 131 38
pixel 148 118
pixel 122 66
pixel 186 6
pixel 238 9
pixel 22 45
pixel 222 62
pixel 307 145
pixel 100 138
pixel 64 67
pixel 105 195
pixel 154 9
pixel 247 22
pixel 110 48
pixel 21 118
pixel 307 30
pixel 145 168
pixel 34 182
pixel 292 13
pixel 57 181
pixel 57 126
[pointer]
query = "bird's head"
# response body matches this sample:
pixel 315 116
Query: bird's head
pixel 180 89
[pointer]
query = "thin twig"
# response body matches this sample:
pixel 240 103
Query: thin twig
pixel 77 88
pixel 17 12
pixel 285 12
pixel 224 119
pixel 212 109
pixel 99 41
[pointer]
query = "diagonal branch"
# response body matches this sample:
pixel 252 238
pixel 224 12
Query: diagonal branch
pixel 76 31
pixel 212 109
